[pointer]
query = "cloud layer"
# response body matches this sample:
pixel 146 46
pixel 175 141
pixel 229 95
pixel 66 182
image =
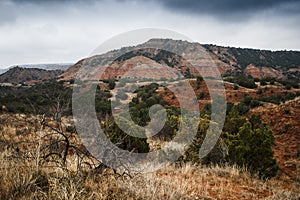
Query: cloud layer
pixel 229 7
pixel 34 31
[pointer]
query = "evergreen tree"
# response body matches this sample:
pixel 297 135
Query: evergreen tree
pixel 252 147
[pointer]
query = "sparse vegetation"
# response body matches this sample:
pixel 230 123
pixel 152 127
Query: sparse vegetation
pixel 201 95
pixel 215 182
pixel 42 98
pixel 42 157
pixel 285 59
pixel 243 80
pixel 251 146
pixel 277 99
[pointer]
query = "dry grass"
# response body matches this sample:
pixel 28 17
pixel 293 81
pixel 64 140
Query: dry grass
pixel 22 178
pixel 191 182
pixel 185 182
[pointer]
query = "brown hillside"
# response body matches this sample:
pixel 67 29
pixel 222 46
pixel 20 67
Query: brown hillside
pixel 284 120
pixel 26 75
pixel 201 65
pixel 229 61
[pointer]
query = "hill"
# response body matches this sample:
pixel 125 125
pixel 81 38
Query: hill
pixel 260 63
pixel 39 140
pixel 162 56
pixel 258 78
pixel 62 67
pixel 284 122
pixel 26 75
pixel 230 61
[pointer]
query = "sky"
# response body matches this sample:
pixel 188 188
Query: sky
pixel 65 31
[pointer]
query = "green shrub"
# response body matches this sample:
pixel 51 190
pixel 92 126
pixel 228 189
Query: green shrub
pixel 199 80
pixel 41 98
pixel 201 95
pixel 287 111
pixel 243 80
pixel 122 139
pixel 263 82
pixel 111 84
pixel 255 103
pixel 216 155
pixel 252 147
pixel 235 87
pixel 260 91
pixel 242 108
pixel 233 121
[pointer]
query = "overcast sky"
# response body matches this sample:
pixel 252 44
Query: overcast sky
pixel 59 31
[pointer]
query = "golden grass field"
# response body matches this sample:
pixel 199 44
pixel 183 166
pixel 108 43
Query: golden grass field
pixel 24 176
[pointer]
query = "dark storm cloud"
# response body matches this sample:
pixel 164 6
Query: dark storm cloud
pixel 50 1
pixel 41 31
pixel 232 7
pixel 215 7
pixel 226 6
pixel 40 1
